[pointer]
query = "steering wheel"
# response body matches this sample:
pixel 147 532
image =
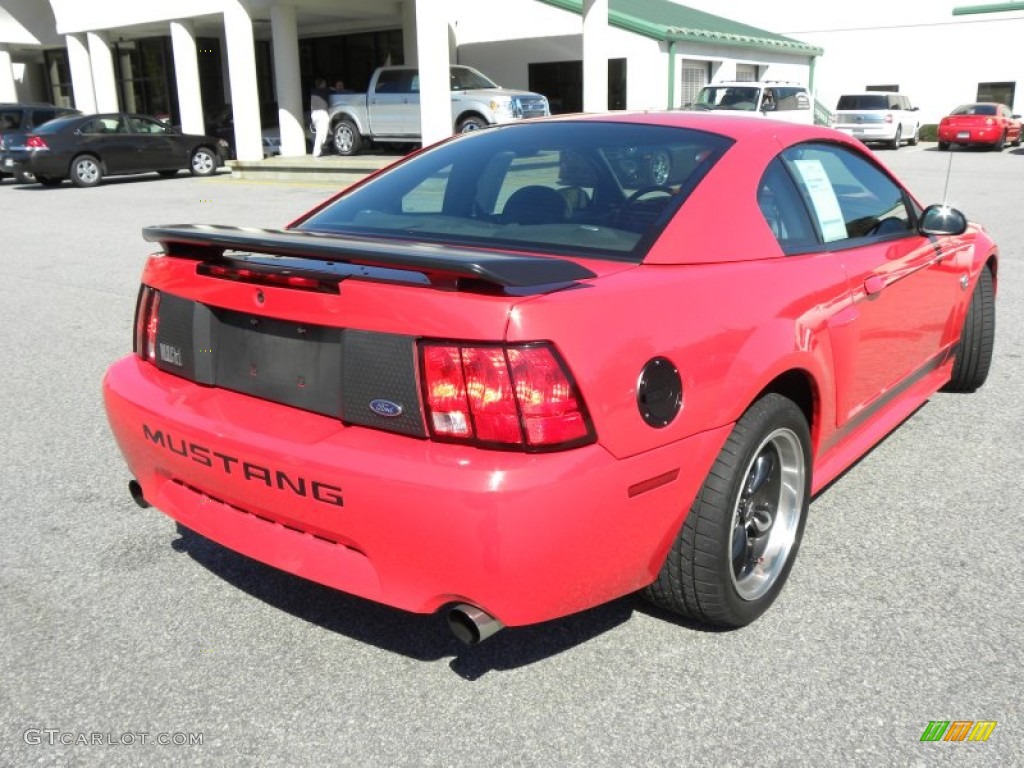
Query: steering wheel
pixel 634 198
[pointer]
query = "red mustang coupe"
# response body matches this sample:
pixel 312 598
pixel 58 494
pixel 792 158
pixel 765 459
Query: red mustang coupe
pixel 534 368
pixel 986 124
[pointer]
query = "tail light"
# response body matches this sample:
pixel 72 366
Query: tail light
pixel 36 142
pixel 990 121
pixel 515 396
pixel 147 320
pixel 888 118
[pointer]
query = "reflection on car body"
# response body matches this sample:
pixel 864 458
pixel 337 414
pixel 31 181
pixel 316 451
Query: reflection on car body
pixel 552 363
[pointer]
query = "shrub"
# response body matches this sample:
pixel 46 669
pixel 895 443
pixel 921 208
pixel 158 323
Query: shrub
pixel 928 132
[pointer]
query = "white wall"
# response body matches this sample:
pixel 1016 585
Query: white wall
pixel 936 58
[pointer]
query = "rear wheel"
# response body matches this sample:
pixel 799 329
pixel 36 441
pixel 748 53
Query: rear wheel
pixel 203 162
pixel 943 146
pixel 734 552
pixel 897 139
pixel 998 146
pixel 86 171
pixel 347 139
pixel 977 338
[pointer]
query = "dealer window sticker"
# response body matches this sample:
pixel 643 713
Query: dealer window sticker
pixel 823 198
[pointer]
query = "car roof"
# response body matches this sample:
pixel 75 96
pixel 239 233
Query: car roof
pixel 732 125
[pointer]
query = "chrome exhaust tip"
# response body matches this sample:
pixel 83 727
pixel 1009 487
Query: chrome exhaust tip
pixel 471 625
pixel 135 489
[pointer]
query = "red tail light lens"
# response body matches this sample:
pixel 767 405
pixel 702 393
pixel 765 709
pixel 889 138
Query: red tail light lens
pixel 36 142
pixel 147 320
pixel 512 396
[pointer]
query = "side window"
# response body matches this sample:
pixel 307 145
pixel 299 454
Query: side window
pixel 146 125
pixel 787 99
pixel 106 125
pixel 389 81
pixel 850 198
pixel 784 210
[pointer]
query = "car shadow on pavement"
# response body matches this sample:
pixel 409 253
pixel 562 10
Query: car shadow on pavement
pixel 418 636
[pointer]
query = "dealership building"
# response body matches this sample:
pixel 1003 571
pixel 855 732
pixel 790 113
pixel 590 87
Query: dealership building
pixel 252 62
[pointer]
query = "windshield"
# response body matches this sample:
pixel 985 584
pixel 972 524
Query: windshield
pixel 466 79
pixel 587 188
pixel 728 97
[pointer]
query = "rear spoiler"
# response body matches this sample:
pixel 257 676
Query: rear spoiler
pixel 204 241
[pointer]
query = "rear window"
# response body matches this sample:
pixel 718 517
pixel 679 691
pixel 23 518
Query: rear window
pixel 602 190
pixel 975 109
pixel 10 119
pixel 55 125
pixel 863 101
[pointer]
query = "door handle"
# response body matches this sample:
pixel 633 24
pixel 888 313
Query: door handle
pixel 873 285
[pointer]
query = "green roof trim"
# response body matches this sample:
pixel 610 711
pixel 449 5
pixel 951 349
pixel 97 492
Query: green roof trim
pixel 990 8
pixel 670 22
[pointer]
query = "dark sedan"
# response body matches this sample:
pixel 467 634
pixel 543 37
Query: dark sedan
pixel 85 148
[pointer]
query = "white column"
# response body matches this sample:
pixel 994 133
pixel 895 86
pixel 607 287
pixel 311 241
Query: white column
pixel 595 56
pixel 103 79
pixel 81 73
pixel 245 100
pixel 186 73
pixel 8 90
pixel 409 51
pixel 434 61
pixel 287 81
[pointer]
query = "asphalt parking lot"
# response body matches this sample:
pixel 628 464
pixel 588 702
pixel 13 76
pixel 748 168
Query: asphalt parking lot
pixel 125 641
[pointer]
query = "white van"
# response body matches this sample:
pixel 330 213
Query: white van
pixel 777 99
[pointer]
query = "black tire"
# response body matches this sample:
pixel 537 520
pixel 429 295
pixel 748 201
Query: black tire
pixel 49 181
pixel 204 162
pixel 998 146
pixel 897 139
pixel 943 146
pixel 977 338
pixel 86 171
pixel 170 173
pixel 346 136
pixel 470 123
pixel 711 574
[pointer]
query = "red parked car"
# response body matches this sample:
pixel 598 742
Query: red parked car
pixel 986 124
pixel 534 368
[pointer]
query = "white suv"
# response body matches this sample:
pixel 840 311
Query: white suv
pixel 777 99
pixel 882 116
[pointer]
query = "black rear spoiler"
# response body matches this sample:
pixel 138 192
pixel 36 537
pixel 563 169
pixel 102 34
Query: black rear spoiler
pixel 507 270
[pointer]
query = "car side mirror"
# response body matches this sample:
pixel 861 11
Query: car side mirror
pixel 942 220
pixel 768 107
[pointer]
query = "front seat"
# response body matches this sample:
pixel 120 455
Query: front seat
pixel 535 205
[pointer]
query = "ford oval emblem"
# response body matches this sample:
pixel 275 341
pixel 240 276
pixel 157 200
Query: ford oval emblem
pixel 386 408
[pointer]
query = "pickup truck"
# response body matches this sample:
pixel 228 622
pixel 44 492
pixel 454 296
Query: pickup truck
pixel 389 111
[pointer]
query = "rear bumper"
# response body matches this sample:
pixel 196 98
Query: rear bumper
pixel 402 521
pixel 870 131
pixel 970 135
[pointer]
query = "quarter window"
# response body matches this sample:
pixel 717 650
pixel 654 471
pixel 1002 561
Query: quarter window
pixel 850 199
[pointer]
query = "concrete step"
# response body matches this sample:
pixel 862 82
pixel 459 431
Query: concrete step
pixel 327 169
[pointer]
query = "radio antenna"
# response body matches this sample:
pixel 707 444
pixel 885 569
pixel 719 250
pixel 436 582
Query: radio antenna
pixel 949 168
